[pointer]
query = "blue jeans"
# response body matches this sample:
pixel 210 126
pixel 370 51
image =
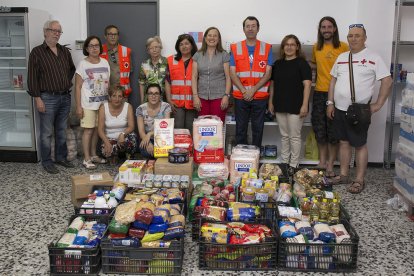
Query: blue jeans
pixel 54 121
pixel 253 111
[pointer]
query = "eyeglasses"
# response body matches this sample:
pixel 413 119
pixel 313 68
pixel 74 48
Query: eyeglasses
pixel 112 34
pixel 153 94
pixel 94 46
pixel 356 26
pixel 55 31
pixel 113 57
pixel 291 45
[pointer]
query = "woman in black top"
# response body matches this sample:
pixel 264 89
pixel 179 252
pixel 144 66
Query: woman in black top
pixel 289 97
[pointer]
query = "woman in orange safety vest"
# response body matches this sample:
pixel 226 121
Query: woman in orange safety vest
pixel 178 82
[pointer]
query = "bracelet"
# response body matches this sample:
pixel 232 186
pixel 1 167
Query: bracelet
pixel 225 94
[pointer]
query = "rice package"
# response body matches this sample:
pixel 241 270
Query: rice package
pixel 214 170
pixel 163 136
pixel 324 232
pixel 208 140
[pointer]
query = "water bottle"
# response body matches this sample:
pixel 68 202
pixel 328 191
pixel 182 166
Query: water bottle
pixel 112 202
pixel 334 213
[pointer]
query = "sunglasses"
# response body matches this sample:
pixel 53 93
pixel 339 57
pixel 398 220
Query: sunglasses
pixel 113 57
pixel 356 26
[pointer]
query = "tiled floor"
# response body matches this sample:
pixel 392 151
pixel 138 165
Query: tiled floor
pixel 35 208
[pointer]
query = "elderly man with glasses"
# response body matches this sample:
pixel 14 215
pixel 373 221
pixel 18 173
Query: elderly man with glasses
pixel 50 74
pixel 353 81
pixel 119 59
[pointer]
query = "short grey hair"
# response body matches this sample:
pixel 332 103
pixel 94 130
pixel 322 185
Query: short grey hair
pixel 48 24
pixel 153 39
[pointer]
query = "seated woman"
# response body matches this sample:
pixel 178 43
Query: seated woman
pixel 116 126
pixel 146 113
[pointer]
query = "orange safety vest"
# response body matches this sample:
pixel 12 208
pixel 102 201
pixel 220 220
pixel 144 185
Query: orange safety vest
pixel 124 58
pixel 181 92
pixel 250 76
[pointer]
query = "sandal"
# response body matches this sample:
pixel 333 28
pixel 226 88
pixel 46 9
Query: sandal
pixel 356 187
pixel 330 174
pixel 88 164
pixel 97 159
pixel 338 180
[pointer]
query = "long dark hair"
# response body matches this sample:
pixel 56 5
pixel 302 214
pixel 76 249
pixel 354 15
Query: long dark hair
pixel 219 46
pixel 180 38
pixel 299 52
pixel 335 38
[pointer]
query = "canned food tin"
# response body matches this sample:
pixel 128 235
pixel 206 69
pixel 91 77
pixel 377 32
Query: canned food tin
pixel 178 155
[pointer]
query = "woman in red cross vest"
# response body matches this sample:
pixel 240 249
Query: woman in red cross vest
pixel 178 82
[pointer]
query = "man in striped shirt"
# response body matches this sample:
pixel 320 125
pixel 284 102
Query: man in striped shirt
pixel 50 74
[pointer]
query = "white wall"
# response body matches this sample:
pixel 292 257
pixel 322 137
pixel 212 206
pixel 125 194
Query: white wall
pixel 277 18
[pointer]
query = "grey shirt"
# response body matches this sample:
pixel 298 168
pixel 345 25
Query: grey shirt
pixel 211 77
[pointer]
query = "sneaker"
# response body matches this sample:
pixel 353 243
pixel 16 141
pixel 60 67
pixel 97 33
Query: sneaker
pixel 65 164
pixel 51 169
pixel 88 164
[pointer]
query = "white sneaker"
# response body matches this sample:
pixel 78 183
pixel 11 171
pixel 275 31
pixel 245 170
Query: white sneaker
pixel 89 165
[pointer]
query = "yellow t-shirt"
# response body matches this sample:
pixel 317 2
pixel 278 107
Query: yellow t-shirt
pixel 324 60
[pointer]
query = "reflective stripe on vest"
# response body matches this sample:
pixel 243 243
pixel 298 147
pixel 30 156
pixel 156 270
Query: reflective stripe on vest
pixel 181 82
pixel 181 92
pixel 247 74
pixel 261 89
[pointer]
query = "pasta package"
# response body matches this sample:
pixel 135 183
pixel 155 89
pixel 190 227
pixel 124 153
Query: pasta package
pixel 208 140
pixel 163 136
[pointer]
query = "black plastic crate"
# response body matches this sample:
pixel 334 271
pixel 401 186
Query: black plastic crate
pixel 147 261
pixel 236 257
pixel 76 261
pixel 332 257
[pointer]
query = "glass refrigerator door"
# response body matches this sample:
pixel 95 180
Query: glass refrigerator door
pixel 16 116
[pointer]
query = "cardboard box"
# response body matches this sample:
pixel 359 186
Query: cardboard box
pixel 131 172
pixel 162 166
pixel 82 185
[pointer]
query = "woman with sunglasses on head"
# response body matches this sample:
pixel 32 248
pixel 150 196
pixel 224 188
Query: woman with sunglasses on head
pixel 178 82
pixel 154 69
pixel 211 81
pixel 116 126
pixel 289 98
pixel 146 113
pixel 91 86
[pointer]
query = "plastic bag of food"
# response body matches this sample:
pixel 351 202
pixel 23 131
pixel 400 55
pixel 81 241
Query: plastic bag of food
pixel 305 229
pixel 160 216
pixel 144 215
pixel 156 228
pixel 214 228
pixel 157 199
pixel 267 170
pixel 76 225
pixel 215 237
pixel 177 220
pixel 174 233
pixel 324 233
pixel 340 232
pixel 287 229
pixel 249 238
pixel 66 240
pixel 156 244
pixel 214 170
pixel 145 204
pixel 116 227
pixel 140 225
pixel 214 213
pixel 152 237
pixel 241 214
pixel 175 198
pixel 82 237
pixel 136 233
pixel 125 213
pixel 257 228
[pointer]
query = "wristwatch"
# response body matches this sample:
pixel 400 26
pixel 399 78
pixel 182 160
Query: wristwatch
pixel 329 102
pixel 225 94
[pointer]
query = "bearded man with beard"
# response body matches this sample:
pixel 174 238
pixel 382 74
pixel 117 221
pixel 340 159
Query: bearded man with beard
pixel 324 54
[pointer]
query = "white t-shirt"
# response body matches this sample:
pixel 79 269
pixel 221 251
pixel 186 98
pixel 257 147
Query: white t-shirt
pixel 368 67
pixel 95 83
pixel 114 125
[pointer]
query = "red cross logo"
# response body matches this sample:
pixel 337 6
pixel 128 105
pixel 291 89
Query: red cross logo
pixel 363 61
pixel 262 64
pixel 126 64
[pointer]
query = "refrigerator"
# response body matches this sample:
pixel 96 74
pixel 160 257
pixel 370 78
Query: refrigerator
pixel 21 29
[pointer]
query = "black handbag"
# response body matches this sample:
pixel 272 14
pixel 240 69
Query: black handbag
pixel 357 113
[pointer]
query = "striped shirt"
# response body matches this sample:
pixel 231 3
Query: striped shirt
pixel 50 72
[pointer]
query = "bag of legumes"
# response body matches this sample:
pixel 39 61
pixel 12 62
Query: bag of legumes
pixel 163 136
